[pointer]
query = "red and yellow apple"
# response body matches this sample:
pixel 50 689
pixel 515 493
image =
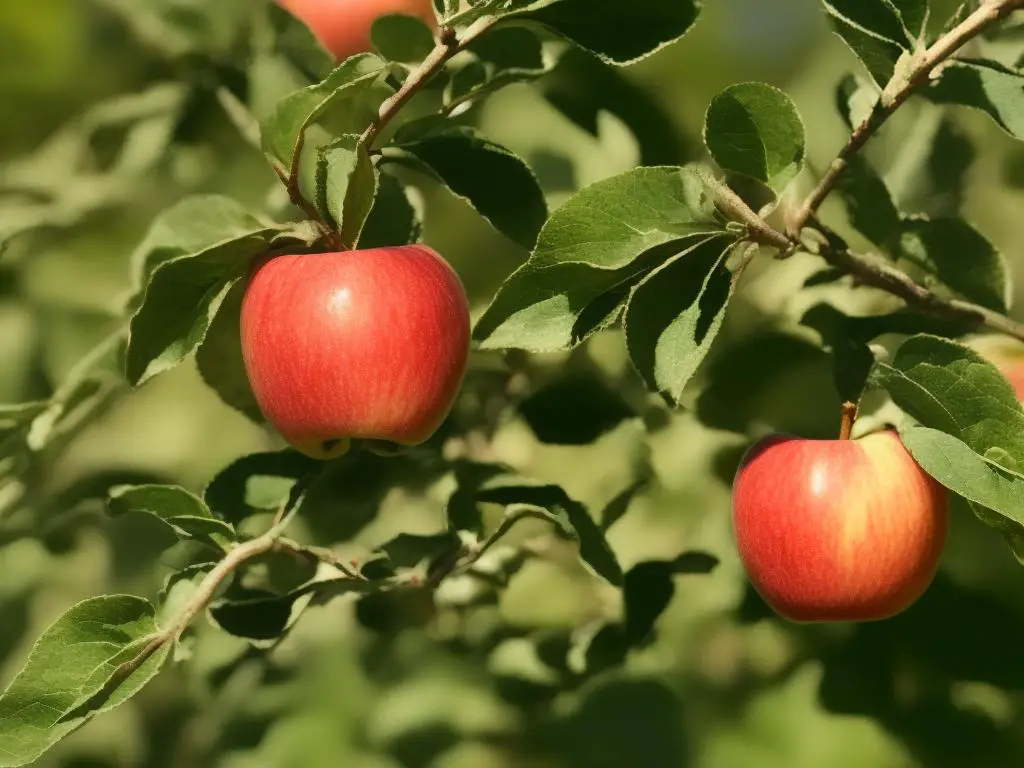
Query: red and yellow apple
pixel 368 344
pixel 838 530
pixel 343 26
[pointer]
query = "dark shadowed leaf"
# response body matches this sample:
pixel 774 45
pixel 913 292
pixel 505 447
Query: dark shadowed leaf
pixel 392 219
pixel 219 357
pixel 575 410
pixel 870 206
pixel 675 313
pixel 960 257
pixel 259 482
pixel 497 183
pixel 568 514
pixel 617 32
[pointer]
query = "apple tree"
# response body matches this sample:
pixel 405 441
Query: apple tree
pixel 374 395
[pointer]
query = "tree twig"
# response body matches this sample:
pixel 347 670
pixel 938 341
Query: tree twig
pixel 448 44
pixel 899 89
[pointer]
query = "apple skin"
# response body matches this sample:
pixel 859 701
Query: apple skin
pixel 343 26
pixel 368 344
pixel 838 530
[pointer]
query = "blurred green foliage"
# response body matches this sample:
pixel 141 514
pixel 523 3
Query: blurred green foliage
pixel 722 685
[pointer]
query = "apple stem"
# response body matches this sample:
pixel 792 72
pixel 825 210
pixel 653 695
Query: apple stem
pixel 846 422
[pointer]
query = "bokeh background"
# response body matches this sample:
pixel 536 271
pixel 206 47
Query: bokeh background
pixel 723 685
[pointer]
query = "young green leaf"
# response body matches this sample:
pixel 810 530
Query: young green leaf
pixel 71 663
pixel 190 226
pixel 754 129
pixel 960 257
pixel 184 513
pixel 496 182
pixel 353 88
pixel 675 313
pixel 346 186
pixel 985 85
pixel 591 247
pixel 181 300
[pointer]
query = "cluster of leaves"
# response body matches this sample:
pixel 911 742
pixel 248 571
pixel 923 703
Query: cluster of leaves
pixel 658 252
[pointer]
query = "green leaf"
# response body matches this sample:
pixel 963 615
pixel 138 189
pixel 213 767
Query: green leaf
pixel 181 300
pixel 571 517
pixel 984 85
pixel 675 313
pixel 76 658
pixel 401 37
pixel 346 186
pixel 259 482
pixel 961 469
pixel 592 247
pixel 219 357
pixel 493 180
pixel 184 513
pixel 343 90
pixel 869 204
pixel 618 32
pixel 190 226
pixel 946 386
pixel 951 389
pixel 754 129
pixel 876 31
pixel 960 257
pixel 392 219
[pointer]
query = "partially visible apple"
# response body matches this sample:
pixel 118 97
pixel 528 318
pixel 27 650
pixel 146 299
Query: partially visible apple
pixel 838 530
pixel 343 26
pixel 1006 354
pixel 366 344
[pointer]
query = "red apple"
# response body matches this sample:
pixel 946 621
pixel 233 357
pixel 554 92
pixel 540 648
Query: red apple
pixel 358 344
pixel 838 530
pixel 343 26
